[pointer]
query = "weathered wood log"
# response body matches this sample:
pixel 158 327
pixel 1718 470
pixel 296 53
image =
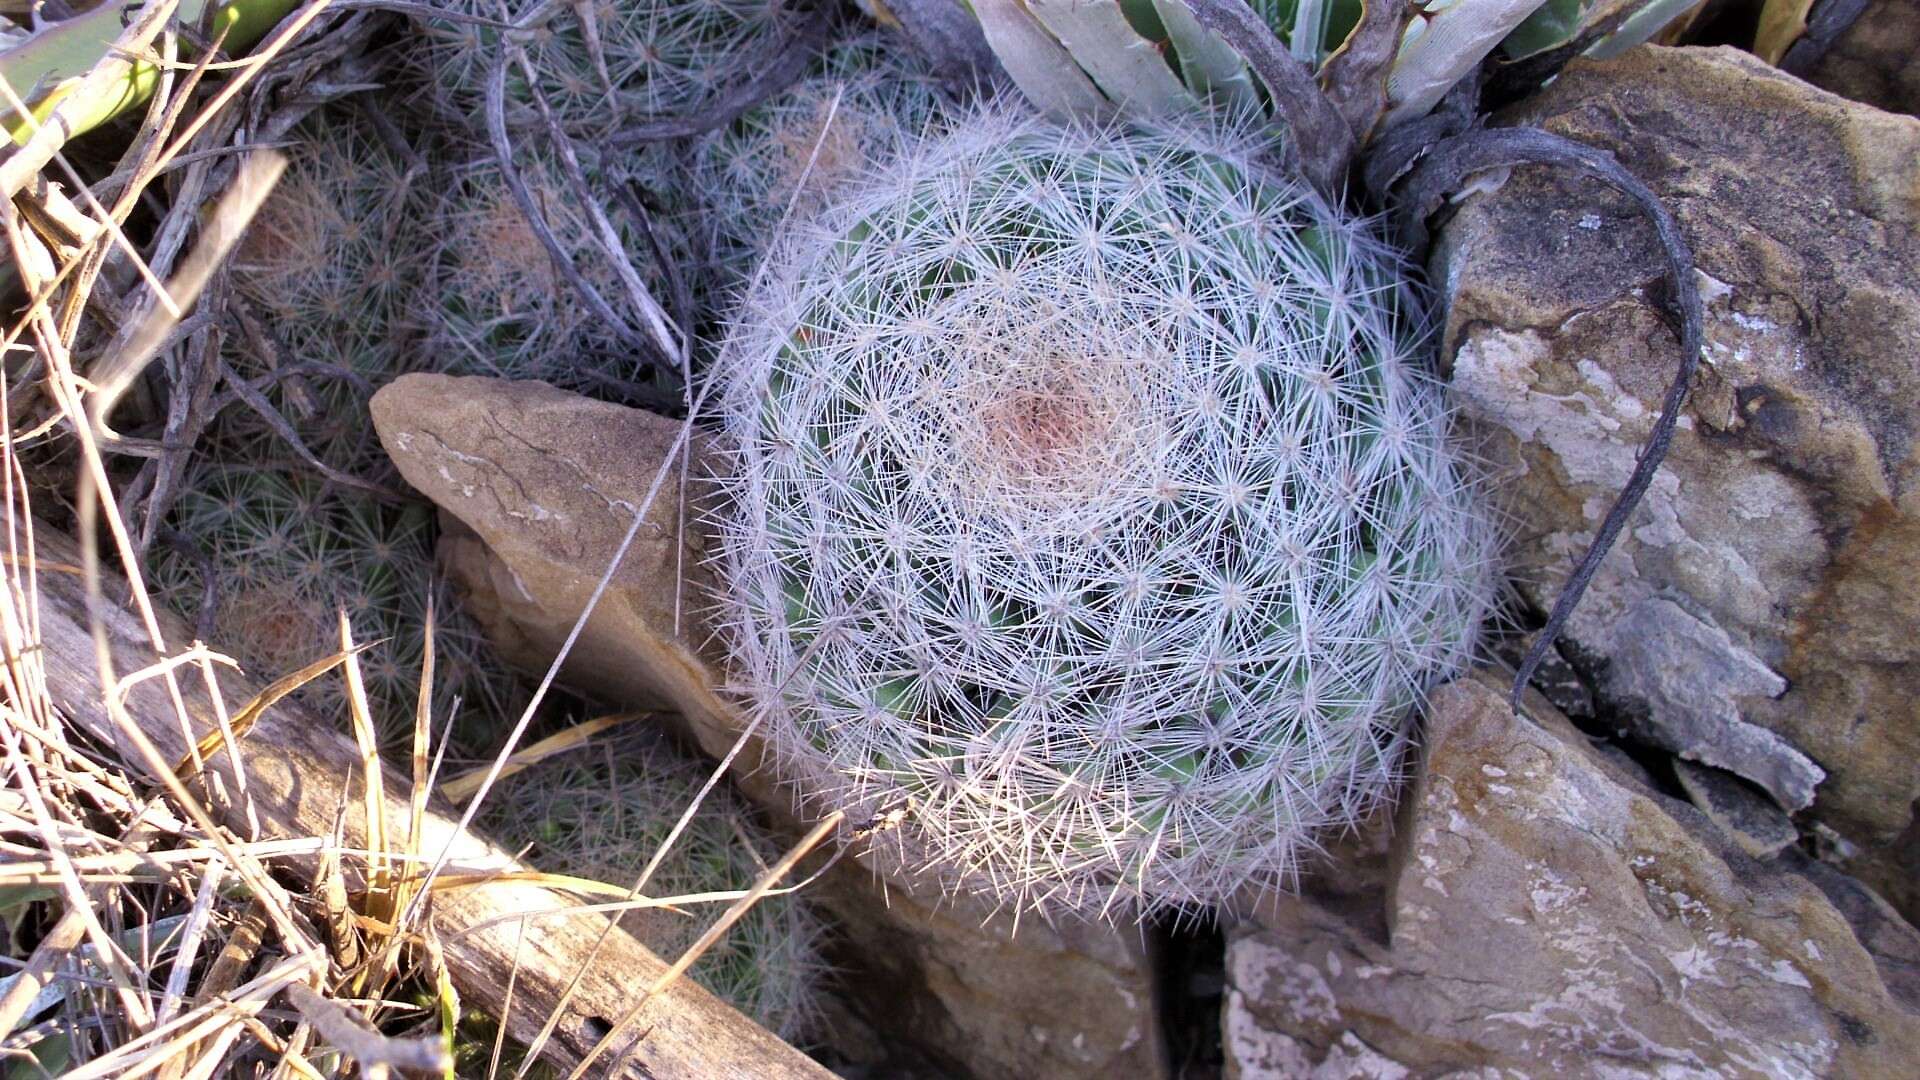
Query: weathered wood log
pixel 300 771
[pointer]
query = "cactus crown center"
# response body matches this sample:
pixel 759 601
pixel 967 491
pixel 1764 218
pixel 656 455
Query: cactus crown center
pixel 1052 419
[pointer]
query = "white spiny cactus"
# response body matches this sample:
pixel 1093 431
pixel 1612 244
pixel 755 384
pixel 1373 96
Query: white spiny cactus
pixel 1084 491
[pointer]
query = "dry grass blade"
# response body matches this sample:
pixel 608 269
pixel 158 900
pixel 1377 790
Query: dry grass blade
pixel 461 788
pixel 303 773
pixel 379 871
pixel 229 218
pixel 33 979
pixel 228 737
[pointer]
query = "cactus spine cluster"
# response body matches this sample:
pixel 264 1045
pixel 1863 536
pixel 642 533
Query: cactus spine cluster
pixel 601 811
pixel 1084 496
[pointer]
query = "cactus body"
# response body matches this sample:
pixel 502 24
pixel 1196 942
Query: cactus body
pixel 601 811
pixel 286 553
pixel 1084 493
pixel 327 273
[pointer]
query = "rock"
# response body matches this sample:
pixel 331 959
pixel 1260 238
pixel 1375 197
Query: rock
pixel 1549 917
pixel 1758 826
pixel 1875 60
pixel 1758 612
pixel 541 486
pixel 537 487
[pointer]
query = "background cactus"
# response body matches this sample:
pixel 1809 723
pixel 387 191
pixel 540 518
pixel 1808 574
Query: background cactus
pixel 325 280
pixel 600 63
pixel 286 551
pixel 1084 490
pixel 601 811
pixel 864 98
pixel 495 303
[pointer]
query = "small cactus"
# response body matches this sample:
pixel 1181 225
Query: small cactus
pixel 496 304
pixel 325 275
pixel 599 63
pixel 601 811
pixel 864 98
pixel 1085 495
pixel 286 552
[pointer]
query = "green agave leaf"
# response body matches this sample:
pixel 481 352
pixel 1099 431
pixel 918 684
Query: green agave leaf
pixel 1442 45
pixel 1036 61
pixel 1640 27
pixel 1551 25
pixel 1559 22
pixel 38 68
pixel 1210 67
pixel 1125 65
pixel 51 1056
pixel 155 935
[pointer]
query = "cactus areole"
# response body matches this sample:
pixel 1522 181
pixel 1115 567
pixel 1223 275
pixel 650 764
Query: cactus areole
pixel 1085 497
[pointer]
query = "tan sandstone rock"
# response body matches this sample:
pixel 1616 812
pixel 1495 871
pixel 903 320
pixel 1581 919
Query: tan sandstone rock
pixel 537 488
pixel 1547 916
pixel 1760 609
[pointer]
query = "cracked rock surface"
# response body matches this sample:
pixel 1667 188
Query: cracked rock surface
pixel 1548 916
pixel 537 487
pixel 1758 614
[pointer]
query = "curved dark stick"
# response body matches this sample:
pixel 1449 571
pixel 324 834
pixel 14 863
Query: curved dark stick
pixel 1440 173
pixel 1323 145
pixel 496 119
pixel 1831 18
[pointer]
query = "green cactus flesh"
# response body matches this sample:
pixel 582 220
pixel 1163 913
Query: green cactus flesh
pixel 1084 490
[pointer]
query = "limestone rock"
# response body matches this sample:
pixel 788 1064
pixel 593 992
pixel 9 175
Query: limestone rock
pixel 1549 917
pixel 1877 59
pixel 537 487
pixel 1759 610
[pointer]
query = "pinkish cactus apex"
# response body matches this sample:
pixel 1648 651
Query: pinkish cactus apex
pixel 1086 497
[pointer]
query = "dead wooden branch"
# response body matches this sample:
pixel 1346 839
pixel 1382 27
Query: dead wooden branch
pixel 299 769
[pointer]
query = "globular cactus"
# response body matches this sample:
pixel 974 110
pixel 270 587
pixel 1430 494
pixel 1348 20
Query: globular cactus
pixel 285 552
pixel 496 304
pixel 601 812
pixel 863 99
pixel 598 63
pixel 1085 497
pixel 325 277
